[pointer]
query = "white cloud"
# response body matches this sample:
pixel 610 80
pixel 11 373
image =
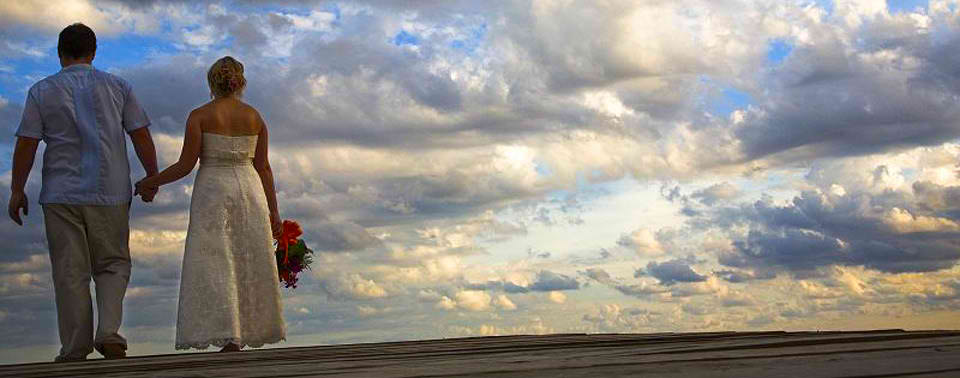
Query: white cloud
pixel 315 21
pixel 446 303
pixel 351 287
pixel 902 221
pixel 149 243
pixel 473 300
pixel 24 283
pixel 643 242
pixel 504 302
pixel 557 297
pixel 33 263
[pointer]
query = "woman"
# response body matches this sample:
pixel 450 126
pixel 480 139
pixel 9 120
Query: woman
pixel 229 290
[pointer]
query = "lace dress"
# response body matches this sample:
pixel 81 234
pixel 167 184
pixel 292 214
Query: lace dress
pixel 229 290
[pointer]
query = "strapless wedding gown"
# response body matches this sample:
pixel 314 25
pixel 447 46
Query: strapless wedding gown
pixel 229 289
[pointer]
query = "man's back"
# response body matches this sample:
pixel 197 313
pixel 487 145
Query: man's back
pixel 82 114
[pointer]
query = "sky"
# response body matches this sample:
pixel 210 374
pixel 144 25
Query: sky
pixel 475 168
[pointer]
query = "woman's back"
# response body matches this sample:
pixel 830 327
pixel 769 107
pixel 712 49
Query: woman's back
pixel 229 116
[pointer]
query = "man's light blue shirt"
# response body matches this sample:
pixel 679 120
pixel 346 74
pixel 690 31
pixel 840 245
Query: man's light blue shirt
pixel 83 115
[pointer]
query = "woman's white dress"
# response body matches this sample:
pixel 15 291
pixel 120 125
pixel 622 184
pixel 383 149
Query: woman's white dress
pixel 229 289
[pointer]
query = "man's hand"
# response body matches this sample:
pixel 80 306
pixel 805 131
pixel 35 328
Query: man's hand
pixel 23 155
pixel 146 193
pixel 18 200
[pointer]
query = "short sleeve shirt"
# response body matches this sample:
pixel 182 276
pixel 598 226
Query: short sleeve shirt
pixel 82 115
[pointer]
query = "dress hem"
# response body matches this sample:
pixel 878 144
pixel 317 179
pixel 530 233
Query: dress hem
pixel 221 342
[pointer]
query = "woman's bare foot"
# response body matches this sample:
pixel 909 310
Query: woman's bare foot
pixel 230 347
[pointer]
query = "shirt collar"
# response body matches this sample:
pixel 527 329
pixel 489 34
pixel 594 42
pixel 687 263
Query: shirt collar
pixel 77 67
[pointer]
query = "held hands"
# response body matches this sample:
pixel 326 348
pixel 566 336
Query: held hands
pixel 145 191
pixel 18 200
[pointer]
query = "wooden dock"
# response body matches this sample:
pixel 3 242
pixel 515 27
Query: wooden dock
pixel 886 353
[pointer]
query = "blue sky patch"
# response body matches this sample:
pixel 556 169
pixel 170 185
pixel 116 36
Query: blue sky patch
pixel 777 51
pixel 898 6
pixel 543 168
pixel 129 49
pixel 404 38
pixel 726 101
pixel 474 39
pixel 731 99
pixel 827 5
pixel 26 71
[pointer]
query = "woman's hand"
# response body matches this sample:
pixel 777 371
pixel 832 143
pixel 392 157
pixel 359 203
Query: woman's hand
pixel 276 226
pixel 145 191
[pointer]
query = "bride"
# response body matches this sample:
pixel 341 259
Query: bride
pixel 229 290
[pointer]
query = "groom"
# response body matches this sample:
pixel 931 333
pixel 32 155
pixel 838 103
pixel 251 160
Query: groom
pixel 81 113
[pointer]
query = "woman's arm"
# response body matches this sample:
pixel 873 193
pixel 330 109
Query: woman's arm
pixel 192 138
pixel 262 164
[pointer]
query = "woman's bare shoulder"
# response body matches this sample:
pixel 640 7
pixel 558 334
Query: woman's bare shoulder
pixel 254 115
pixel 201 110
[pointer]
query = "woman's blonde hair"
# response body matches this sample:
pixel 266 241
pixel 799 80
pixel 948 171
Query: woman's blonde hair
pixel 225 78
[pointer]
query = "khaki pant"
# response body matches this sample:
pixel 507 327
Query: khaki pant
pixel 88 241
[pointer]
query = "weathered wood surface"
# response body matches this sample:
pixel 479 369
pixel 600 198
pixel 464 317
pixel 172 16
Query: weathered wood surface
pixel 887 353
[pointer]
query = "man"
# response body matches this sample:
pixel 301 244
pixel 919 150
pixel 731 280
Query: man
pixel 81 114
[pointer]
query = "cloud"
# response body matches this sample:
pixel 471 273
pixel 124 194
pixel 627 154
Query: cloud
pixel 33 263
pixel 598 275
pixel 614 318
pixel 544 281
pixel 550 281
pixel 886 93
pixel 719 192
pixel 25 283
pixel 818 230
pixel 472 300
pixel 340 236
pixel 672 271
pixel 351 287
pixel 641 290
pixel 557 297
pixel 643 242
pixel 504 302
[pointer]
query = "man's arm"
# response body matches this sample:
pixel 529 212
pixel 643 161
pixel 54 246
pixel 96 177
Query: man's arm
pixel 23 155
pixel 147 153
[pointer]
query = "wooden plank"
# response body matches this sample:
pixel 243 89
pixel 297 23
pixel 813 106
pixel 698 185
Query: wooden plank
pixel 725 354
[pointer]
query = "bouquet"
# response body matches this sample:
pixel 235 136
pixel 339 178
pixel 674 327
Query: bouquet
pixel 292 254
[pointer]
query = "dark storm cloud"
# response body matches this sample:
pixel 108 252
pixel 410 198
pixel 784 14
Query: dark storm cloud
pixel 859 229
pixel 826 102
pixel 672 271
pixel 550 281
pixel 938 199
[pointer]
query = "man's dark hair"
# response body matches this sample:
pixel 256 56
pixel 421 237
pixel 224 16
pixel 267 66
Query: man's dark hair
pixel 77 41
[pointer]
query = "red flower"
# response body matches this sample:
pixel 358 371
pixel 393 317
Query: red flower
pixel 291 230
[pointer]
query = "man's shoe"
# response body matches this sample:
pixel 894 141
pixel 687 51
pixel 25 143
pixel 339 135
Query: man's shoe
pixel 114 351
